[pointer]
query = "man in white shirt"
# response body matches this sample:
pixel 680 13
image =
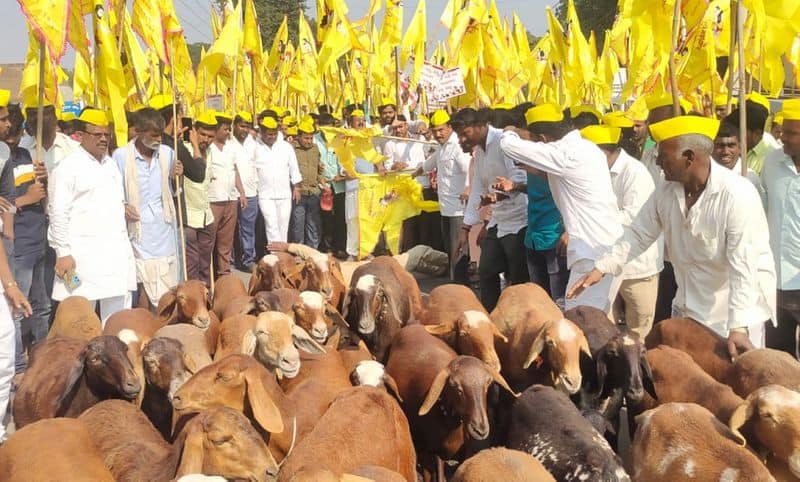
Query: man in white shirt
pixel 278 181
pixel 727 152
pixel 715 231
pixel 87 223
pixel 580 182
pixel 502 237
pixel 225 194
pixel 781 177
pixel 244 146
pixel 452 176
pixel 632 186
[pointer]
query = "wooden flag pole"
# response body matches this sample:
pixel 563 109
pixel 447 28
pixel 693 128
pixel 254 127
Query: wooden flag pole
pixel 235 81
pixel 673 77
pixel 40 107
pixel 732 48
pixel 178 183
pixel 253 85
pixel 742 111
pixel 397 78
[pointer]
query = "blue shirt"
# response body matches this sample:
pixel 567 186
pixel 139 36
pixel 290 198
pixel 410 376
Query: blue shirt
pixel 157 239
pixel 544 219
pixel 330 163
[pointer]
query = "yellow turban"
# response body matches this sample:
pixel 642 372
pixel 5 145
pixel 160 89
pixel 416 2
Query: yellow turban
pixel 617 119
pixel 577 110
pixel 759 99
pixel 208 118
pixel 160 101
pixel 357 113
pixel 601 134
pixel 544 113
pixel 684 125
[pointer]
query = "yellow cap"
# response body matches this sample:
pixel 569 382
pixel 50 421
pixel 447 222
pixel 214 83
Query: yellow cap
pixel 617 119
pixel 305 127
pixel 720 100
pixel 223 118
pixel 601 134
pixel 665 99
pixel 544 113
pixel 424 118
pixel 245 116
pixel 290 120
pixel 357 113
pixel 160 101
pixel 5 96
pixel 637 111
pixel 68 116
pixel 307 118
pixel 504 105
pixel 208 118
pixel 684 125
pixel 577 110
pixel 791 110
pixel 388 101
pixel 759 99
pixel 291 131
pixel 269 123
pixel 95 117
pixel 439 118
pixel 778 119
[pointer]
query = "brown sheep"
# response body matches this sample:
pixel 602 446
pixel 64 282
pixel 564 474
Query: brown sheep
pixel 456 315
pixel 708 349
pixel 682 441
pixel 269 273
pixel 281 299
pixel 241 383
pixel 226 289
pixel 166 368
pixel 138 320
pixel 193 339
pixel 189 302
pixel 517 301
pixel 310 315
pixel 363 426
pixel 317 271
pixel 241 305
pixel 773 415
pixel 67 448
pixel 218 441
pixel 66 376
pixel 678 378
pixel 373 374
pixel 75 318
pixel 501 464
pixel 758 368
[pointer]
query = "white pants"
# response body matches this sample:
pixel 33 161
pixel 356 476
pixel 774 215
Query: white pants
pixel 6 360
pixel 351 217
pixel 600 296
pixel 109 306
pixel 276 213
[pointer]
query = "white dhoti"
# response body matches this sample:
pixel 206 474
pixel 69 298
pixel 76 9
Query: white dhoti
pixel 276 213
pixel 351 218
pixel 157 276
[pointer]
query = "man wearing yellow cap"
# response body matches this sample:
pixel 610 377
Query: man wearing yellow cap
pixel 243 145
pixel 777 127
pixel 87 223
pixel 716 234
pixel 759 142
pixel 55 145
pixel 580 182
pixel 781 178
pixel 304 227
pixel 278 181
pixel 632 186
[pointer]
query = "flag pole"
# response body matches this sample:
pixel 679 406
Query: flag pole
pixel 732 48
pixel 178 183
pixel 673 78
pixel 742 111
pixel 397 77
pixel 40 106
pixel 235 81
pixel 253 84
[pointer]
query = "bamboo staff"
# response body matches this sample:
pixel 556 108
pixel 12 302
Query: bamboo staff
pixel 407 139
pixel 253 84
pixel 397 78
pixel 235 81
pixel 178 183
pixel 742 111
pixel 732 48
pixel 40 106
pixel 673 78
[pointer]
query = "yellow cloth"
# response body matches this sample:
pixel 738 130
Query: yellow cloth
pixel 95 117
pixel 617 119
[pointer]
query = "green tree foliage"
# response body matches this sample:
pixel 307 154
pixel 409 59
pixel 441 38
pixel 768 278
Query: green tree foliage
pixel 597 15
pixel 270 15
pixel 194 51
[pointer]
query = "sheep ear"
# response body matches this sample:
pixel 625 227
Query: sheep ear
pixel 602 370
pixel 168 304
pixel 647 378
pixel 496 332
pixel 303 341
pixel 537 346
pixel 739 417
pixel 188 362
pixel 584 344
pixel 441 329
pixel 73 379
pixel 333 340
pixel 333 314
pixel 264 409
pixel 498 378
pixel 391 386
pixel 249 343
pixel 435 391
pixel 192 455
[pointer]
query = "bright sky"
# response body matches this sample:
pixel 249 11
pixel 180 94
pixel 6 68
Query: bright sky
pixel 194 17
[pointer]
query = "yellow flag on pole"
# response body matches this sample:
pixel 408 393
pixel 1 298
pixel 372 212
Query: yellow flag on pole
pixel 252 35
pixel 226 45
pixel 49 20
pixel 147 23
pixel 414 42
pixel 392 27
pixel 110 75
pixel 278 45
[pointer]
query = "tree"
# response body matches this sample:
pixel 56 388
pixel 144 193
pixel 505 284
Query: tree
pixel 597 15
pixel 194 51
pixel 270 15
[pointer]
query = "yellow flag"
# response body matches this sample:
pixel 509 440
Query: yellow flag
pixel 699 62
pixel 392 27
pixel 182 63
pixel 278 45
pixel 252 34
pixel 169 18
pixel 78 37
pixel 414 42
pixel 226 45
pixel 374 7
pixel 49 20
pixel 82 80
pixel 136 64
pixel 29 84
pixel 147 23
pixel 781 26
pixel 216 23
pixel 336 42
pixel 305 76
pixel 110 75
pixel 325 15
pixel 465 21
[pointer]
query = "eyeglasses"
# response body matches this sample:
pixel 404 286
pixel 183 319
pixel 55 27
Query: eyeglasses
pixel 98 135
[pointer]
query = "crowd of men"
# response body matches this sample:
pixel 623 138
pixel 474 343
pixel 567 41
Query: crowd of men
pixel 642 215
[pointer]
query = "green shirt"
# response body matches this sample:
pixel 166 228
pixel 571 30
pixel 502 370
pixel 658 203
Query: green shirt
pixel 756 155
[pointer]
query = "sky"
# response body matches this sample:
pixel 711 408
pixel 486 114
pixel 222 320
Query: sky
pixel 194 17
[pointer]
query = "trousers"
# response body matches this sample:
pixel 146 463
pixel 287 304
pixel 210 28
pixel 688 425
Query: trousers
pixel 501 255
pixel 549 270
pixel 351 218
pixel 247 230
pixel 199 247
pixel 784 337
pixel 29 272
pixel 6 360
pixel 222 229
pixel 109 306
pixel 276 213
pixel 305 223
pixel 636 304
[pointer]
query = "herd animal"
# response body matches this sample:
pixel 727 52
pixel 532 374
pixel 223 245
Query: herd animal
pixel 301 376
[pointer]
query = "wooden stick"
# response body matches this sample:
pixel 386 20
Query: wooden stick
pixel 178 179
pixel 673 78
pixel 235 81
pixel 732 48
pixel 397 78
pixel 40 107
pixel 407 139
pixel 742 111
pixel 253 85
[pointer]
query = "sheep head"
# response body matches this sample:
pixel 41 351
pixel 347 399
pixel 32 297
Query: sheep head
pixel 473 333
pixel 560 343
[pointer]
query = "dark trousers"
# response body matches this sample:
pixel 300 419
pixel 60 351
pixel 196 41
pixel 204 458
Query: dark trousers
pixel 501 255
pixel 327 221
pixel 339 223
pixel 247 231
pixel 784 336
pixel 549 270
pixel 222 230
pixel 667 287
pixel 29 273
pixel 304 226
pixel 199 245
pixel 424 228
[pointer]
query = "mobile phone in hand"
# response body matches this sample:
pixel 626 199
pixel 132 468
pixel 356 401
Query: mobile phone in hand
pixel 71 280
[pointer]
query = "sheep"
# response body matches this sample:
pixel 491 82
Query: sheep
pixel 683 441
pixel 135 346
pixel 52 449
pixel 372 373
pixel 166 368
pixel 320 272
pixel 758 368
pixel 66 376
pixel 281 299
pixel 189 302
pixel 268 273
pixel 708 349
pixel 193 339
pixel 138 320
pixel 363 426
pixel 75 318
pixel 546 425
pixel 226 288
pixel 678 378
pixel 456 315
pixel 219 441
pixel 501 464
pixel 310 315
pixel 444 395
pixel 773 413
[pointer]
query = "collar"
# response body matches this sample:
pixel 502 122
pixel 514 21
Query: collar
pixel 493 135
pixel 621 163
pixel 91 157
pixel 138 155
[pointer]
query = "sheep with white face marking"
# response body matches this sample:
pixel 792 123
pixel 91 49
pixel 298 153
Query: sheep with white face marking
pixel 373 374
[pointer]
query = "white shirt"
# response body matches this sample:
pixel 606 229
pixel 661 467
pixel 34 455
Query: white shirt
pixel 753 178
pixel 581 185
pixel 719 250
pixel 277 170
pixel 509 215
pixel 452 174
pixel 87 222
pixel 649 160
pixel 245 160
pixel 782 185
pixel 633 186
pixel 222 186
pixel 62 146
pixel 410 153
